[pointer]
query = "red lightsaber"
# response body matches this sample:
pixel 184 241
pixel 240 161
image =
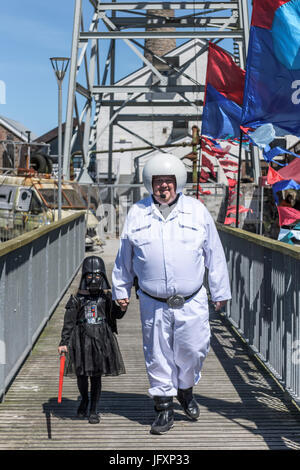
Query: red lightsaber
pixel 61 375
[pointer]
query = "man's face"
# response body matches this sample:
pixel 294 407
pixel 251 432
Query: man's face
pixel 164 188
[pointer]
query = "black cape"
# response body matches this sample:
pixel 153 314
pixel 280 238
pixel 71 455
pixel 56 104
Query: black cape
pixel 92 348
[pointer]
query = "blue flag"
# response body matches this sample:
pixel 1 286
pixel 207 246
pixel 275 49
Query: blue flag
pixel 272 84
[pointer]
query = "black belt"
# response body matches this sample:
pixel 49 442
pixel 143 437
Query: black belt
pixel 84 320
pixel 175 301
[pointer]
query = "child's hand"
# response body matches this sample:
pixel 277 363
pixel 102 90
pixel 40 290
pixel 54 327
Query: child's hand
pixel 117 312
pixel 62 350
pixel 123 303
pixel 220 304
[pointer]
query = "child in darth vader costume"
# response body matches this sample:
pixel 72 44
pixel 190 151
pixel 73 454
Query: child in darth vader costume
pixel 88 335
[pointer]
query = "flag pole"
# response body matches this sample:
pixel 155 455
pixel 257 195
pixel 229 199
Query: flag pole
pixel 261 216
pixel 239 181
pixel 199 167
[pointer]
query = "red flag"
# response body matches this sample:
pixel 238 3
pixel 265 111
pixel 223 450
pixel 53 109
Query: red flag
pixel 231 183
pixel 224 74
pixel 229 220
pixel 203 192
pixel 228 163
pixel 209 147
pixel 263 13
pixel 287 215
pixel 232 210
pixel 272 176
pixel 203 176
pixel 291 171
pixel 227 170
pixel 234 192
pixel 245 209
pixel 214 152
pixel 246 130
pixel 208 164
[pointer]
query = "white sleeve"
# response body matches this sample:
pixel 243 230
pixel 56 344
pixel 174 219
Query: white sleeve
pixel 122 274
pixel 215 262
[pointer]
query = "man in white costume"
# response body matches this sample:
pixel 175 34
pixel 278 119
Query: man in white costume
pixel 167 241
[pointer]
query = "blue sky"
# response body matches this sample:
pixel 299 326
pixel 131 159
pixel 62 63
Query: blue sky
pixel 32 31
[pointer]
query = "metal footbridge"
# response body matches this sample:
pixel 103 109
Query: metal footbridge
pixel 249 390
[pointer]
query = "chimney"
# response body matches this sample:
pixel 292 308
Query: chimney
pixel 160 46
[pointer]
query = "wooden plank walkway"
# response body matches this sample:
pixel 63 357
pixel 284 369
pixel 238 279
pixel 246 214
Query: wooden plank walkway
pixel 241 405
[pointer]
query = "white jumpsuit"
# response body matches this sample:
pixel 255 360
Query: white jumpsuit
pixel 169 257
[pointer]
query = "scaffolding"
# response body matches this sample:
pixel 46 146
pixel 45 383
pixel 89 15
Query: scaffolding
pixel 130 22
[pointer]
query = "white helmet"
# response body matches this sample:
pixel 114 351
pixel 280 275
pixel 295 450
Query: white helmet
pixel 164 164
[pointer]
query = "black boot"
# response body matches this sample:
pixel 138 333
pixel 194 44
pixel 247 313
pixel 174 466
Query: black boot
pixel 165 415
pixel 188 403
pixel 95 395
pixel 82 382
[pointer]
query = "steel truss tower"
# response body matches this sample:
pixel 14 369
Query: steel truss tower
pixel 208 20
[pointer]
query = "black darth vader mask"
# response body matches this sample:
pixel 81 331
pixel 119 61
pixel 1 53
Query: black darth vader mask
pixel 94 275
pixel 94 282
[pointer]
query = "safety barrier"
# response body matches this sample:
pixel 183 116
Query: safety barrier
pixel 265 306
pixel 35 271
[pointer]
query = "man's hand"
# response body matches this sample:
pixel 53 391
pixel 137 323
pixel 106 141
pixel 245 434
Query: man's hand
pixel 219 304
pixel 123 303
pixel 62 349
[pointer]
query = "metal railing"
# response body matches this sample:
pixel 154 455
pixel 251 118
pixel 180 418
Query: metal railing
pixel 35 271
pixel 265 305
